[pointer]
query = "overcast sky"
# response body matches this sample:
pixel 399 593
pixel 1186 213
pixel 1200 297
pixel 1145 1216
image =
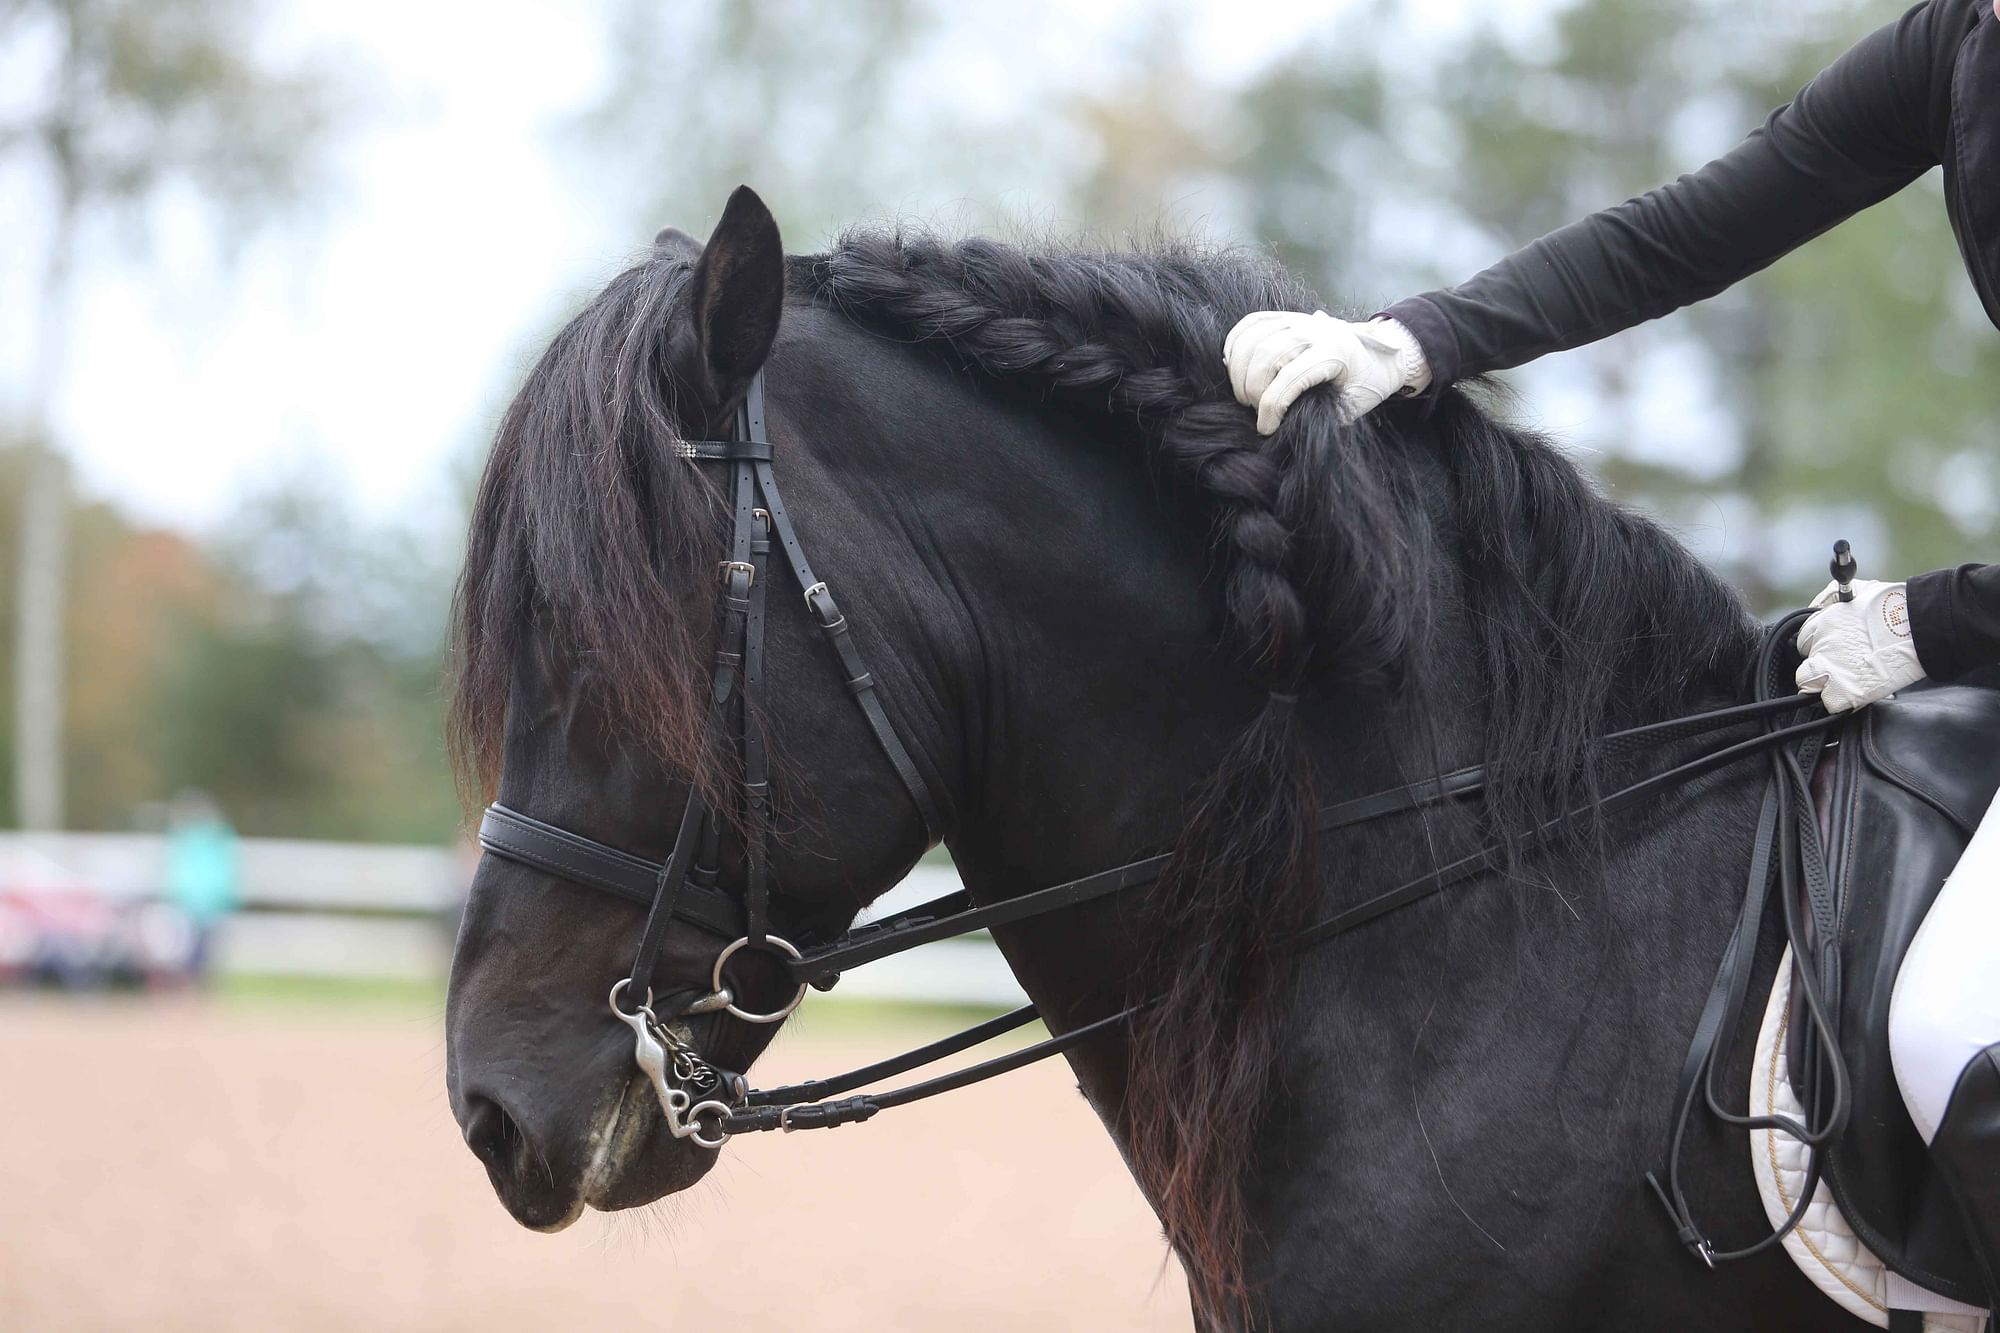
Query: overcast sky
pixel 375 337
pixel 375 340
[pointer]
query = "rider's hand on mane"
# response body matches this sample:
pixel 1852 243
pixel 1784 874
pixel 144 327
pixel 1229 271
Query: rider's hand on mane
pixel 1275 355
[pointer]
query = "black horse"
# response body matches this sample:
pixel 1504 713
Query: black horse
pixel 1110 619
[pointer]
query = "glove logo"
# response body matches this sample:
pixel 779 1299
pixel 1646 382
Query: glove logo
pixel 1896 612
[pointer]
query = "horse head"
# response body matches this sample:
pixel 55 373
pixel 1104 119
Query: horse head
pixel 585 639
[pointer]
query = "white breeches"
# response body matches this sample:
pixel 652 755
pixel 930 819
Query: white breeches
pixel 1946 1005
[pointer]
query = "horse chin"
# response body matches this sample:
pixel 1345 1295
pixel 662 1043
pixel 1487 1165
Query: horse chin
pixel 634 1160
pixel 544 1210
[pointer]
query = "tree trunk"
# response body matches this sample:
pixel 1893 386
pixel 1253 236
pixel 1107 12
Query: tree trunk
pixel 43 573
pixel 44 556
pixel 38 640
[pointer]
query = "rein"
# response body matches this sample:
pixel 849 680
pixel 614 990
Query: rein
pixel 709 1105
pixel 804 1105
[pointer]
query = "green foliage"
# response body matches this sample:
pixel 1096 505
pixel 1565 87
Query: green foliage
pixel 1852 382
pixel 775 79
pixel 307 702
pixel 289 667
pixel 123 103
pixel 386 998
pixel 1857 371
pixel 1845 392
pixel 144 94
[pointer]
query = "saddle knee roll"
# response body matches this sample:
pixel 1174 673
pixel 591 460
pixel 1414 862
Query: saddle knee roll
pixel 1967 1144
pixel 1946 1008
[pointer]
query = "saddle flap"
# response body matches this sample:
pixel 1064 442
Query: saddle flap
pixel 1939 742
pixel 1898 821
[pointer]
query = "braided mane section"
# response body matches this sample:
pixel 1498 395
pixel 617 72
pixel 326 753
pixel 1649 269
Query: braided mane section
pixel 1139 337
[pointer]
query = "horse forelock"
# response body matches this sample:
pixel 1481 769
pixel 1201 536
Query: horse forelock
pixel 586 536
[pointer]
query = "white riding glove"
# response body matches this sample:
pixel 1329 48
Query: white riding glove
pixel 1860 651
pixel 1275 355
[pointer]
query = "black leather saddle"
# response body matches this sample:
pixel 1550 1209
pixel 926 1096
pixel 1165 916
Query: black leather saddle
pixel 1898 798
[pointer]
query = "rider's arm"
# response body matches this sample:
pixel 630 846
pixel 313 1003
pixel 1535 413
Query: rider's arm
pixel 1955 619
pixel 1868 125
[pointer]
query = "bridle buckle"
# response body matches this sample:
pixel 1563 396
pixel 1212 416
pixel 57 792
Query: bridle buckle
pixel 725 568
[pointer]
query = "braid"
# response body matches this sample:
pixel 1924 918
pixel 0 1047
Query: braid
pixel 1140 338
pixel 1104 337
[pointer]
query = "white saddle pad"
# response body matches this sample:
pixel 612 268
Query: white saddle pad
pixel 1824 1246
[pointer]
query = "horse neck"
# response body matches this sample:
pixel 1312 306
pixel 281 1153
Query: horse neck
pixel 1459 1073
pixel 1059 603
pixel 1054 597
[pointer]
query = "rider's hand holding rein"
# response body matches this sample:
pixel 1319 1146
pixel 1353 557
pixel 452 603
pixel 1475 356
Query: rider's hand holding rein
pixel 1861 651
pixel 1275 355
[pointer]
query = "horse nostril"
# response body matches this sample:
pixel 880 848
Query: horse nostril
pixel 487 1129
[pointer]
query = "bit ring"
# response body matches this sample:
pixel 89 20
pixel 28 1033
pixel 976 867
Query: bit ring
pixel 776 944
pixel 694 1125
pixel 619 989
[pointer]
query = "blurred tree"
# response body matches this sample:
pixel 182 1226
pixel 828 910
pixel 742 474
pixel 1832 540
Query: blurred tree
pixel 13 486
pixel 894 108
pixel 136 97
pixel 1856 373
pixel 306 700
pixel 134 589
pixel 1847 391
pixel 288 667
pixel 1314 138
pixel 709 94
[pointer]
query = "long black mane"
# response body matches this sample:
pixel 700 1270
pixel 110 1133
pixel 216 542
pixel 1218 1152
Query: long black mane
pixel 1336 558
pixel 1575 593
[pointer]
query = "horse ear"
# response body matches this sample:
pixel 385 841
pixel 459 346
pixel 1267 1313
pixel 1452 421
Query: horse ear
pixel 739 294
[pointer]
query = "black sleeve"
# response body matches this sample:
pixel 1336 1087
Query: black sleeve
pixel 1955 619
pixel 1868 125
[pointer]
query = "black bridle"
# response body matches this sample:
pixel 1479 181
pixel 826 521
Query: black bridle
pixel 709 1106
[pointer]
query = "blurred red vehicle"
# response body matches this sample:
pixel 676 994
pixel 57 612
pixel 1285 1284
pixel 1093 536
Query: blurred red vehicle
pixel 59 928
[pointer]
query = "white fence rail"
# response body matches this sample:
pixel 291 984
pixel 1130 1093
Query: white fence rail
pixel 355 910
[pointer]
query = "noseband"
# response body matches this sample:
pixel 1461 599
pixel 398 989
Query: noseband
pixel 707 1105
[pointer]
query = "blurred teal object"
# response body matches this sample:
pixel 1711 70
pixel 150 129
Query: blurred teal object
pixel 202 866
